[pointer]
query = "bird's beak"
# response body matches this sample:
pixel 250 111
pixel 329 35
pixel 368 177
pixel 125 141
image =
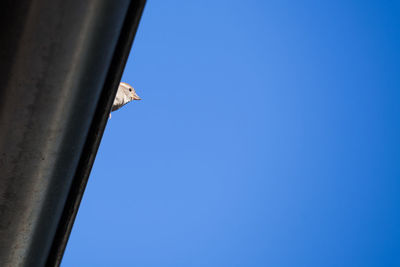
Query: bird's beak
pixel 136 97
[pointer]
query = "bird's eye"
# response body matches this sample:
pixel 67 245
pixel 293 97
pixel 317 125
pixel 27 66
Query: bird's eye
pixel 130 90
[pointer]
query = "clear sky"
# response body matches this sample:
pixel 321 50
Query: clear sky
pixel 268 135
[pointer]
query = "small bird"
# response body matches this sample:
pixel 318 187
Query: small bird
pixel 125 94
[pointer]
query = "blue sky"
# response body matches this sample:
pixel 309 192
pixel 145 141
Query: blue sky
pixel 268 135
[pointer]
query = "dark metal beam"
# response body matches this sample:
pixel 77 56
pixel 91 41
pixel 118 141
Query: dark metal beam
pixel 60 64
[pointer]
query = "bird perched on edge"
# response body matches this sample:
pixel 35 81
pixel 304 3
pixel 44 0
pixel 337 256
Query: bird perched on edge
pixel 125 94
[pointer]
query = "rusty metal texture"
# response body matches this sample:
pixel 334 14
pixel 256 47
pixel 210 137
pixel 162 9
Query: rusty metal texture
pixel 60 64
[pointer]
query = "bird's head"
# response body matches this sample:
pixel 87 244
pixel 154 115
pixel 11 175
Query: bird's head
pixel 129 91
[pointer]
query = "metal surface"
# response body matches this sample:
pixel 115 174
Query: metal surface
pixel 60 64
